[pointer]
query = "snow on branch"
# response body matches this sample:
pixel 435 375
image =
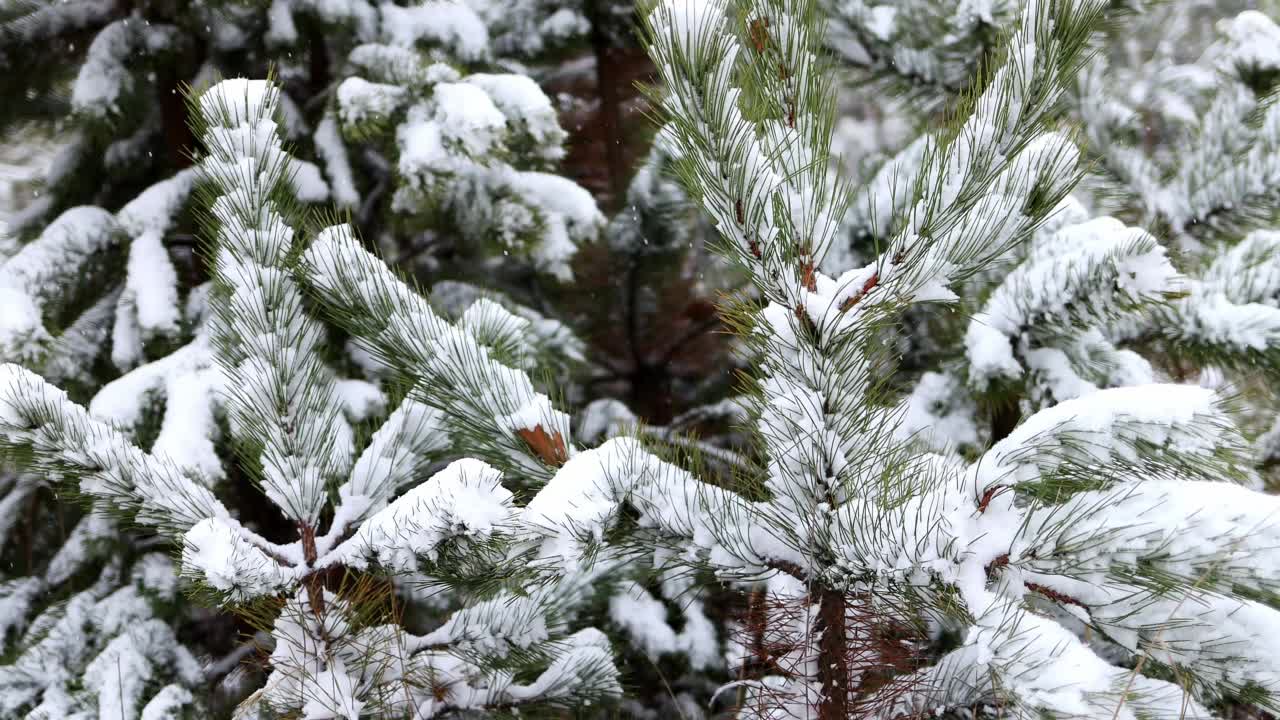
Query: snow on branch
pixel 505 419
pixel 522 331
pixel 465 501
pixel 34 282
pixel 503 625
pixel 974 184
pixel 333 151
pixel 1249 271
pixel 1215 537
pixel 104 81
pixel 474 150
pixel 1187 425
pixel 149 308
pixel 400 449
pixel 457 149
pixel 281 398
pixel 1090 272
pixel 571 515
pixel 1192 145
pixel 359 17
pixel 103 651
pixel 58 436
pixel 381 670
pixel 454 25
pixel 190 386
pixel 1032 666
pixel 219 553
pixel 496 407
pixel 1235 305
pixel 394 322
pixel 47 22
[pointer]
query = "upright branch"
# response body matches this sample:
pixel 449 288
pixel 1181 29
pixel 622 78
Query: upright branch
pixel 282 400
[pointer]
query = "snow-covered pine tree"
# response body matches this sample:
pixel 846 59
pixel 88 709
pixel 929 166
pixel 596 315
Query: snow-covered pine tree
pixel 507 646
pixel 1186 136
pixel 85 603
pixel 1098 561
pixel 127 128
pixel 456 153
pixel 1186 128
pixel 501 418
pixel 1055 327
pixel 104 279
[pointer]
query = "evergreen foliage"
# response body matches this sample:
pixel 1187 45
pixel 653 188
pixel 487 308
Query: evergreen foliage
pixel 976 421
pixel 290 420
pixel 893 581
pixel 104 291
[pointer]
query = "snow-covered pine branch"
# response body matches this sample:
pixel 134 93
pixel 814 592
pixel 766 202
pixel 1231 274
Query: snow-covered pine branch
pixel 459 524
pixel 1230 315
pixel 547 339
pixel 1045 325
pixel 104 652
pixel 504 419
pixel 1188 144
pixel 927 50
pixel 471 152
pixel 44 430
pixel 872 538
pixel 34 280
pixel 283 401
pixel 64 658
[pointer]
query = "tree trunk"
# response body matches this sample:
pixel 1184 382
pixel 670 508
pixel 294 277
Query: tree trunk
pixel 607 81
pixel 833 656
pixel 318 67
pixel 179 143
pixel 1004 418
pixel 315 584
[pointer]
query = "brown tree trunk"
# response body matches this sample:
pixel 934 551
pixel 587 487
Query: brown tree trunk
pixel 315 584
pixel 833 656
pixel 1004 418
pixel 318 69
pixel 171 75
pixel 607 81
pixel 179 143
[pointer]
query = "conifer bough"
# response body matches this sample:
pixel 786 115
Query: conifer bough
pixel 288 424
pixel 896 582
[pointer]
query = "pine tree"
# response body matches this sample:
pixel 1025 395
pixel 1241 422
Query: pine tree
pixel 1189 150
pixel 336 654
pixel 996 454
pixel 104 292
pixel 1153 103
pixel 470 147
pixel 1102 559
pixel 128 142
